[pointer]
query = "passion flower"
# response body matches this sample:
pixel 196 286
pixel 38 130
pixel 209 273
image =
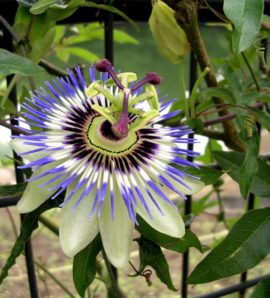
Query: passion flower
pixel 102 144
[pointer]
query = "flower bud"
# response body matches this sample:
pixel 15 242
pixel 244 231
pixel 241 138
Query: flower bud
pixel 171 40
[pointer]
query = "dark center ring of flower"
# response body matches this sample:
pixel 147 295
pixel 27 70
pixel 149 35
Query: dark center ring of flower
pixel 100 137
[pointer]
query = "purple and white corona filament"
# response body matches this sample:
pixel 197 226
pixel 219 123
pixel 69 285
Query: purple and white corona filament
pixel 102 144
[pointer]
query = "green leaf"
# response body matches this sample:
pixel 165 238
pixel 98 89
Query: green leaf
pixel 84 266
pixel 232 162
pixel 82 53
pixel 206 174
pixel 57 13
pixel 200 205
pixel 262 290
pixel 8 107
pixel 219 92
pixel 250 165
pixel 113 10
pixel 42 46
pixel 207 156
pixel 246 16
pixel 151 255
pixel 12 190
pixel 41 25
pixel 233 82
pixel 11 63
pixel 168 242
pixel 262 117
pixel 196 125
pixel 30 223
pixel 124 38
pixel 246 245
pixel 42 5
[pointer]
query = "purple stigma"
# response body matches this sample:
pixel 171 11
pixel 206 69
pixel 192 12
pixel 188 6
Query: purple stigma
pixel 106 66
pixel 103 65
pixel 151 77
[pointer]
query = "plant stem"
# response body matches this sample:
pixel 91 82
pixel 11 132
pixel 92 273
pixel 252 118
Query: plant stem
pixel 213 134
pixel 14 128
pixel 52 69
pixel 114 285
pixel 9 28
pixel 194 90
pixel 251 71
pixel 186 16
pixel 30 26
pixel 219 120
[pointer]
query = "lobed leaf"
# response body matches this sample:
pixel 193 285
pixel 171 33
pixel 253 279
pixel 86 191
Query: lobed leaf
pixel 246 16
pixel 11 63
pixel 84 266
pixel 168 242
pixel 262 117
pixel 151 255
pixel 250 165
pixel 246 245
pixel 262 290
pixel 206 174
pixel 231 162
pixel 42 5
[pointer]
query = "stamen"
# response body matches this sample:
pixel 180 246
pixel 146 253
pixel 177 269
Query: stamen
pixel 151 77
pixel 106 66
pixel 120 129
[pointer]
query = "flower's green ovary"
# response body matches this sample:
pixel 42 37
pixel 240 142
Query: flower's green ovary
pixel 109 147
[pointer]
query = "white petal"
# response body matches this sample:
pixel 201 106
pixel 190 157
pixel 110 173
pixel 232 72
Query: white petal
pixel 76 229
pixel 170 223
pixel 116 233
pixel 34 195
pixel 20 147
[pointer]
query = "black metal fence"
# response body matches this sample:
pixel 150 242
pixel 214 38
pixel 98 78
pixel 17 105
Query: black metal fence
pixel 138 10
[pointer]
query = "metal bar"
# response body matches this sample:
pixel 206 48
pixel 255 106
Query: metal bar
pixel 235 288
pixel 188 202
pixel 108 27
pixel 8 201
pixel 7 44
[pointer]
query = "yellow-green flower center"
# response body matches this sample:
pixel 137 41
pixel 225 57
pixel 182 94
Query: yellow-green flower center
pixel 101 138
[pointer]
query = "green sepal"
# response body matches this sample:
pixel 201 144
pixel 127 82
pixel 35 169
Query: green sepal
pixel 97 88
pixel 141 97
pixel 91 90
pixel 143 120
pixel 153 101
pixel 104 112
